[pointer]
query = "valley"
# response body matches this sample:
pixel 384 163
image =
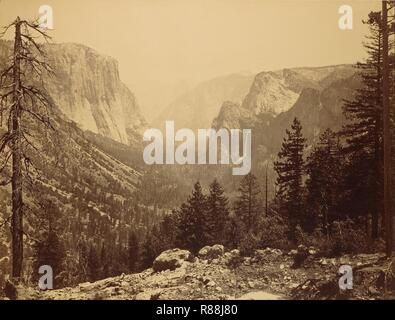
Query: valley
pixel 121 208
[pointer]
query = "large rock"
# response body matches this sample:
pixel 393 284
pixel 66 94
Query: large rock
pixel 211 252
pixel 233 258
pixel 260 295
pixel 171 259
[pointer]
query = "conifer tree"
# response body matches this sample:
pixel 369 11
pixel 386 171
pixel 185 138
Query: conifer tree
pixel 133 252
pixel 290 168
pixel 50 251
pixel 149 249
pixel 93 264
pixel 364 133
pixel 324 171
pixel 168 230
pixel 26 105
pixel 248 206
pixel 192 234
pixel 217 214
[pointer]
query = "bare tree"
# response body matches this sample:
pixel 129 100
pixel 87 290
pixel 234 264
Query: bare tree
pixel 23 104
pixel 388 191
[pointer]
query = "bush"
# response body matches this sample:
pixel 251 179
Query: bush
pixel 345 237
pixel 348 237
pixel 248 245
pixel 273 233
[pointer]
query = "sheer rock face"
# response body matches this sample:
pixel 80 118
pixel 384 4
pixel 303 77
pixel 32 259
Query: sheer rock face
pixel 87 89
pixel 270 93
pixel 314 95
pixel 229 116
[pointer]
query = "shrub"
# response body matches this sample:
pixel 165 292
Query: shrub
pixel 348 237
pixel 273 233
pixel 345 236
pixel 248 245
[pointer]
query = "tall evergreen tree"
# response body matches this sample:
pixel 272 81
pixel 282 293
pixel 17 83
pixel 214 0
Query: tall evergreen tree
pixel 150 248
pixel 290 168
pixel 192 234
pixel 248 206
pixel 324 171
pixel 26 104
pixel 217 214
pixel 168 230
pixel 50 251
pixel 94 264
pixel 364 132
pixel 133 252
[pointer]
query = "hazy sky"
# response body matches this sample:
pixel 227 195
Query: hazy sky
pixel 161 44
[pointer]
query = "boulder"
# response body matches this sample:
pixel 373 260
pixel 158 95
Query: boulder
pixel 260 295
pixel 233 258
pixel 211 252
pixel 150 294
pixel 171 259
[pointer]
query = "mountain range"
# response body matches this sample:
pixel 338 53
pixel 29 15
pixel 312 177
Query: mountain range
pixel 314 95
pixel 197 107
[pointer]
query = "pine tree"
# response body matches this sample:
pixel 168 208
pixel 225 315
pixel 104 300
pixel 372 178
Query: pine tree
pixel 150 249
pixel 364 133
pixel 105 261
pixel 83 253
pixel 192 234
pixel 387 130
pixel 290 168
pixel 248 206
pixel 168 230
pixel 324 170
pixel 50 251
pixel 133 252
pixel 217 214
pixel 94 264
pixel 26 104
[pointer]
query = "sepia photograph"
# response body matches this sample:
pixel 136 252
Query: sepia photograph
pixel 211 150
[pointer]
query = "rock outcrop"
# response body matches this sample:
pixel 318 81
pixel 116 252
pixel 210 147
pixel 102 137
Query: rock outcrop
pixel 87 89
pixel 211 252
pixel 172 259
pixel 314 95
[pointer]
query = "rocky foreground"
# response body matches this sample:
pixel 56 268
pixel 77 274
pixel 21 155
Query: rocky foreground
pixel 215 274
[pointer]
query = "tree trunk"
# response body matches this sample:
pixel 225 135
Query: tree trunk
pixel 387 135
pixel 266 192
pixel 17 214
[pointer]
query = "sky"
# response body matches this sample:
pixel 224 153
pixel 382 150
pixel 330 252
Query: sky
pixel 166 46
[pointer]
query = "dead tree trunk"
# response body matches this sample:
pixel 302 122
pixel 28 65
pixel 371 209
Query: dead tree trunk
pixel 387 135
pixel 17 211
pixel 24 100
